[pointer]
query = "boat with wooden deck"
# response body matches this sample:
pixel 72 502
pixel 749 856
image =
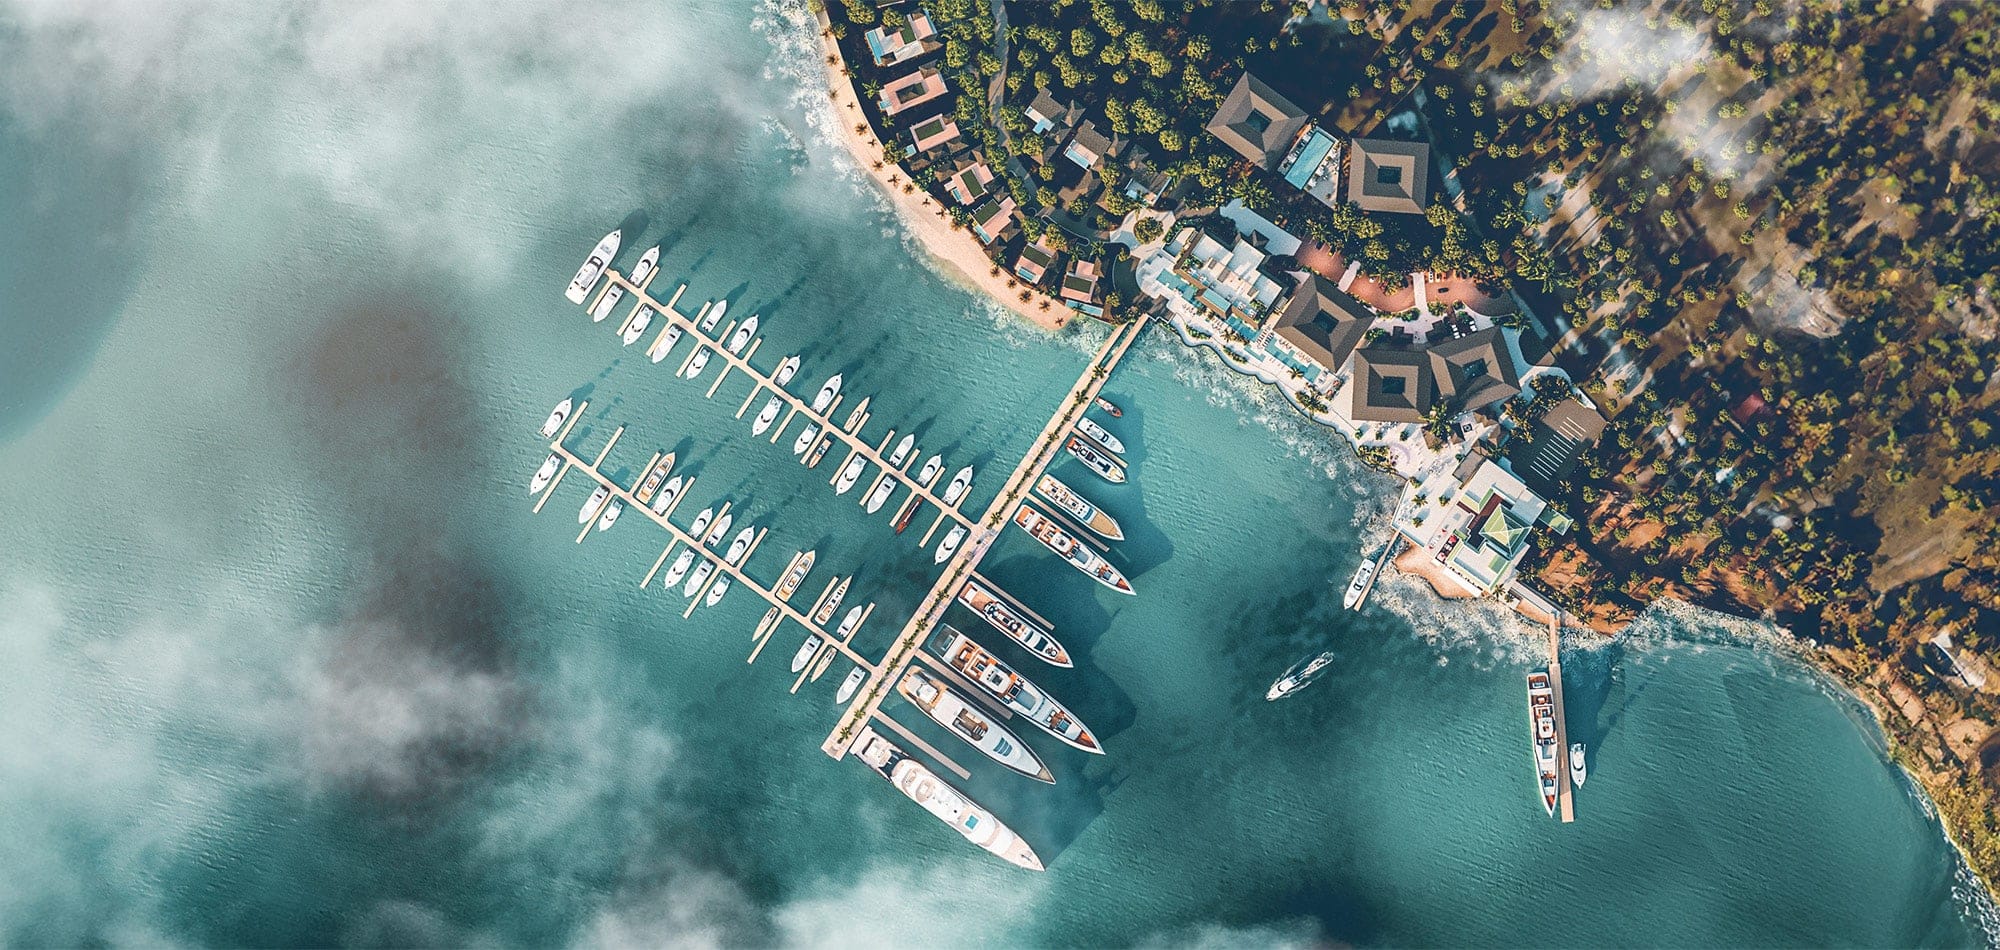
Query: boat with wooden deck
pixel 1005 619
pixel 1015 691
pixel 1085 513
pixel 944 802
pixel 1099 434
pixel 1070 549
pixel 1087 453
pixel 832 602
pixel 801 566
pixel 949 708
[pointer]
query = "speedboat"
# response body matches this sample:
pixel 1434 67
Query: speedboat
pixel 679 570
pixel 1015 691
pixel 770 620
pixel 805 439
pixel 1298 676
pixel 952 710
pixel 593 504
pixel 668 494
pixel 959 483
pixel 850 475
pixel 720 528
pixel 665 344
pixel 714 316
pixel 1577 771
pixel 1070 549
pixel 545 473
pixel 766 416
pixel 556 418
pixel 741 545
pixel 944 802
pixel 832 602
pixel 1097 461
pixel 849 622
pixel 826 394
pixel 786 370
pixel 611 513
pixel 1111 409
pixel 1359 585
pixel 932 467
pixel 612 295
pixel 908 511
pixel 949 544
pixel 593 267
pixel 854 418
pixel 644 268
pixel 742 334
pixel 789 584
pixel 653 479
pixel 637 328
pixel 883 490
pixel 701 523
pixel 1085 513
pixel 701 573
pixel 818 452
pixel 1099 434
pixel 696 365
pixel 1004 619
pixel 902 451
pixel 716 590
pixel 806 651
pixel 850 684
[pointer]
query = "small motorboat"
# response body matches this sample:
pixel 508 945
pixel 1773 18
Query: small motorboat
pixel 701 522
pixel 717 530
pixel 826 394
pixel 742 334
pixel 679 570
pixel 612 295
pixel 786 370
pixel 959 483
pixel 849 622
pixel 770 620
pixel 741 546
pixel 860 410
pixel 805 439
pixel 902 451
pixel 806 652
pixel 716 591
pixel 545 473
pixel 850 684
pixel 1577 771
pixel 637 328
pixel 1110 408
pixel 556 418
pixel 849 475
pixel 950 543
pixel 696 365
pixel 668 494
pixel 768 415
pixel 701 573
pixel 714 316
pixel 818 452
pixel 665 344
pixel 881 494
pixel 644 268
pixel 611 513
pixel 932 467
pixel 593 504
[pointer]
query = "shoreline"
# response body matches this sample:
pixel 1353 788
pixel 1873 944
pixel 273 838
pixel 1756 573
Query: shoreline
pixel 959 255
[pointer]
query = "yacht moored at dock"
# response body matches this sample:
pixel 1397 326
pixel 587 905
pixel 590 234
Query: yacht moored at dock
pixel 883 490
pixel 801 566
pixel 610 298
pixel 1358 587
pixel 698 363
pixel 959 716
pixel 556 417
pixel 701 523
pixel 908 511
pixel 611 513
pixel 849 475
pixel 959 483
pixel 852 620
pixel 644 268
pixel 668 494
pixel 902 451
pixel 741 546
pixel 1085 513
pixel 949 545
pixel 701 572
pixel 860 411
pixel 593 267
pixel 654 478
pixel 805 439
pixel 766 416
pixel 1015 691
pixel 932 466
pixel 743 334
pixel 806 651
pixel 637 328
pixel 544 474
pixel 1005 619
pixel 665 344
pixel 1084 559
pixel 593 504
pixel 1542 719
pixel 679 570
pixel 818 452
pixel 849 685
pixel 1298 676
pixel 824 397
pixel 714 316
pixel 717 530
pixel 1577 771
pixel 786 370
pixel 1099 434
pixel 832 602
pixel 1096 461
pixel 945 803
pixel 716 590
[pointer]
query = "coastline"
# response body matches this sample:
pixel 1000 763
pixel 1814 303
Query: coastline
pixel 962 258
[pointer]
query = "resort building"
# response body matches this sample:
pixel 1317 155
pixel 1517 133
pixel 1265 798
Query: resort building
pixel 971 183
pixel 933 132
pixel 1033 264
pixel 913 90
pixel 1319 327
pixel 1475 520
pixel 1197 275
pixel 992 220
pixel 1387 175
pixel 1045 113
pixel 1395 382
pixel 914 39
pixel 1079 288
pixel 1560 438
pixel 1088 147
pixel 1391 384
pixel 1257 122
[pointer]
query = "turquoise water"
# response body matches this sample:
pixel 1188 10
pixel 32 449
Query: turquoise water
pixel 285 658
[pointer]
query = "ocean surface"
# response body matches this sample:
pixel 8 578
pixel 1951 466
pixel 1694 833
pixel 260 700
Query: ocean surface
pixel 286 658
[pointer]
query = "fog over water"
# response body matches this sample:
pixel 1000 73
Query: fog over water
pixel 285 658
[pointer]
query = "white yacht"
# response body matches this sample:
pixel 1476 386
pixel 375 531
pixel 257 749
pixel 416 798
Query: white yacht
pixel 665 344
pixel 1085 513
pixel 826 393
pixel 741 545
pixel 1359 585
pixel 644 268
pixel 593 504
pixel 949 545
pixel 679 570
pixel 716 590
pixel 850 475
pixel 1099 434
pixel 1298 676
pixel 701 573
pixel 699 363
pixel 545 473
pixel 667 495
pixel 612 295
pixel 766 416
pixel 1005 619
pixel 1015 691
pixel 593 267
pixel 637 328
pixel 1070 549
pixel 850 684
pixel 881 494
pixel 1577 771
pixel 717 530
pixel 714 316
pixel 1087 453
pixel 932 466
pixel 832 601
pixel 805 439
pixel 786 370
pixel 959 483
pixel 945 803
pixel 611 513
pixel 701 523
pixel 806 651
pixel 742 334
pixel 556 418
pixel 950 709
pixel 902 451
pixel 849 622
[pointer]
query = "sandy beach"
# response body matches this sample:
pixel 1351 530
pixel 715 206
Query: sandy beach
pixel 963 257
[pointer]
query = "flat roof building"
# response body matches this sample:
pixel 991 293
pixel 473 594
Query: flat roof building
pixel 971 183
pixel 912 90
pixel 1033 264
pixel 894 46
pixel 1476 520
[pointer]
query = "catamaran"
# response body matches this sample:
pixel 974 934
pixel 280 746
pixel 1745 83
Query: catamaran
pixel 1086 514
pixel 593 267
pixel 699 363
pixel 883 489
pixel 714 316
pixel 593 504
pixel 1006 620
pixel 665 344
pixel 945 803
pixel 1096 461
pixel 826 393
pixel 766 416
pixel 806 651
pixel 637 328
pixel 1298 676
pixel 668 494
pixel 644 268
pixel 1015 691
pixel 959 483
pixel 805 439
pixel 789 584
pixel 948 708
pixel 556 418
pixel 1063 543
pixel 1099 434
pixel 545 473
pixel 949 544
pixel 742 334
pixel 849 475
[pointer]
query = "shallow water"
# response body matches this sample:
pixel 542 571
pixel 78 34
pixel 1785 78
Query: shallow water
pixel 285 657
